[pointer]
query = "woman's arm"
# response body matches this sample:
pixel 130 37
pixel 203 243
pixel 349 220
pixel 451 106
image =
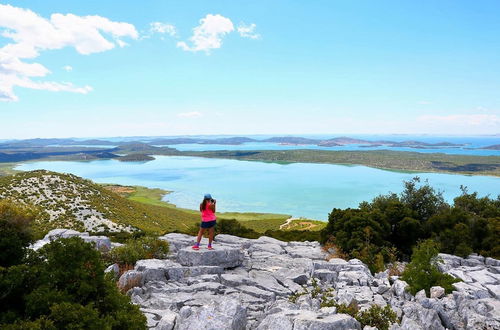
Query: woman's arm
pixel 212 207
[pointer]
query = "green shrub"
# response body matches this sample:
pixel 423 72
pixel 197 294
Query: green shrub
pixel 146 247
pixel 63 286
pixel 422 272
pixel 15 233
pixel 378 317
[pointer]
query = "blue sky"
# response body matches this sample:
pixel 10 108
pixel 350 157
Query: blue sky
pixel 248 67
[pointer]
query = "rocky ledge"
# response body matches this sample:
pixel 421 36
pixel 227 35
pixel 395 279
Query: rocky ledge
pixel 260 284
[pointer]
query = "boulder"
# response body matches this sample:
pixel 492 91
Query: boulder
pixel 130 279
pixel 221 314
pixel 399 288
pixel 101 243
pixel 224 257
pixel 426 318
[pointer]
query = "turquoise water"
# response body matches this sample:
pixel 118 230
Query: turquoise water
pixel 309 190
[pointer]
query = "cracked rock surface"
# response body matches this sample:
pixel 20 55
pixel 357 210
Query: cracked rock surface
pixel 247 284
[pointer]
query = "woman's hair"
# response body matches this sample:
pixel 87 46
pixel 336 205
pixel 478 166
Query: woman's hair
pixel 204 203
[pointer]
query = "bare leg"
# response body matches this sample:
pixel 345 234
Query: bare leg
pixel 200 235
pixel 210 235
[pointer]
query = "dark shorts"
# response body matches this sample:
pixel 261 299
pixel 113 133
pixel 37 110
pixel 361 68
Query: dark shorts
pixel 208 224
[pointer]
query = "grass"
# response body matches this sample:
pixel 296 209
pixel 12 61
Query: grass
pixel 260 222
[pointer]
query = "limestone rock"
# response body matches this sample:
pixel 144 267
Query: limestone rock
pixel 225 313
pixel 224 257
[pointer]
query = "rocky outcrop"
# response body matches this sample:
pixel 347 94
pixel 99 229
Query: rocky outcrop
pixel 101 243
pixel 269 284
pixel 260 284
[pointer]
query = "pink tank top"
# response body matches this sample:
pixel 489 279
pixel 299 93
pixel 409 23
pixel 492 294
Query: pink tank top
pixel 207 214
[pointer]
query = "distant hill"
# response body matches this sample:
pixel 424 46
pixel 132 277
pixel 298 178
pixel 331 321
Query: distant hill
pixel 68 201
pixel 493 147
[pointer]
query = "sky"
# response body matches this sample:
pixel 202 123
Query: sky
pixel 160 68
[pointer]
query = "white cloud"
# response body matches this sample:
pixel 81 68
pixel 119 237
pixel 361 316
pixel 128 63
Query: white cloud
pixel 32 34
pixel 462 120
pixel 163 28
pixel 208 35
pixel 192 114
pixel 68 68
pixel 248 31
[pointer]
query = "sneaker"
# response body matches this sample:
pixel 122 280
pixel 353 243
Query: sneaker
pixel 210 247
pixel 195 247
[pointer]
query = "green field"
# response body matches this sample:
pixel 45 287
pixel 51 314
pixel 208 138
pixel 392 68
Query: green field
pixel 260 222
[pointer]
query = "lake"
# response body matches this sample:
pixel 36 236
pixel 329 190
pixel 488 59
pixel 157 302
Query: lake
pixel 308 190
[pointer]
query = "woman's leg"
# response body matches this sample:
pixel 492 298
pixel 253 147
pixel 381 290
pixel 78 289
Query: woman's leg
pixel 200 235
pixel 211 231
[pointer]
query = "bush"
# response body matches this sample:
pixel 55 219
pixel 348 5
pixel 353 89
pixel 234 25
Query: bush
pixel 63 286
pixel 378 317
pixel 422 272
pixel 146 247
pixel 15 233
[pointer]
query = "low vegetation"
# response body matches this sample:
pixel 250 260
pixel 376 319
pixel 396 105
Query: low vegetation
pixel 422 272
pixel 146 247
pixel 374 316
pixel 388 227
pixel 60 286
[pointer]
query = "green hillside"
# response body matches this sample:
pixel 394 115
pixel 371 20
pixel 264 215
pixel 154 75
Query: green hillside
pixel 68 201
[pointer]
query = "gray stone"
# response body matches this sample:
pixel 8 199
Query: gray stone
pixel 325 275
pixel 180 272
pixel 437 292
pixel 224 257
pixel 492 262
pixel 130 279
pixel 269 240
pixel 62 233
pixel 426 318
pixel 114 269
pixel 266 281
pixel 256 292
pixel 399 288
pixel 420 295
pixel 267 247
pixel 309 321
pixel 101 243
pixel 222 314
pixel 448 261
pixel 355 277
pixel 494 290
pixel 472 290
pixel 167 321
pixel 483 276
pixel 306 252
pixel 277 321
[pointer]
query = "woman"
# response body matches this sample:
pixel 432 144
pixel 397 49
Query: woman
pixel 208 219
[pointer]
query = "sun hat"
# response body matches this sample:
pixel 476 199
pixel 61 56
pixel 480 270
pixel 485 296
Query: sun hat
pixel 207 196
